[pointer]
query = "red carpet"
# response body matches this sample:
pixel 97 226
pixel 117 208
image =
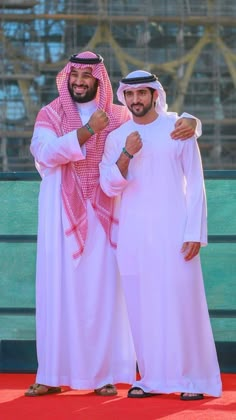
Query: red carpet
pixel 87 406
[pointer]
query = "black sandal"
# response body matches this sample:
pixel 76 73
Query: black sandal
pixel 137 388
pixel 185 397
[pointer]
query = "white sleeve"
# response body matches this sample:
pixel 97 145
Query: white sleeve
pixel 51 151
pixel 198 131
pixel 196 226
pixel 111 180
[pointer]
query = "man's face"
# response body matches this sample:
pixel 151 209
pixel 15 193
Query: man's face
pixel 82 85
pixel 139 101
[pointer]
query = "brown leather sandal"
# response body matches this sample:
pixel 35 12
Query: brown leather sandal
pixel 106 390
pixel 37 390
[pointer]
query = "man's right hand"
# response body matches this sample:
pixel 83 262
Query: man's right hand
pixel 98 120
pixel 133 143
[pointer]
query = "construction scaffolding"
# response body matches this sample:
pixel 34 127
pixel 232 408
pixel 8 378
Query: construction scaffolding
pixel 190 45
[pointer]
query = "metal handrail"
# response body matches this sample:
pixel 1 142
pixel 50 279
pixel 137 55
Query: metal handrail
pixel 34 176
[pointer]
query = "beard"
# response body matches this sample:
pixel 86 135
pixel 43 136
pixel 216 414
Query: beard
pixel 88 95
pixel 143 109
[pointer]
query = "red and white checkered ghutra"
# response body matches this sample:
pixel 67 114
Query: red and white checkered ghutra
pixel 80 180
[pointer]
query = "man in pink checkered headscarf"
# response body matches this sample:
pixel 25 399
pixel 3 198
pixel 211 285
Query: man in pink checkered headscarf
pixel 83 336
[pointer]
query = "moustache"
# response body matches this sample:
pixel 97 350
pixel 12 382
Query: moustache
pixel 137 104
pixel 78 86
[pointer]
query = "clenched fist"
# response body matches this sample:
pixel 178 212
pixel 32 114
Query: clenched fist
pixel 98 120
pixel 133 143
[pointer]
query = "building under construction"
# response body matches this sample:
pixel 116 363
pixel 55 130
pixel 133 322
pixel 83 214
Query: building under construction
pixel 190 45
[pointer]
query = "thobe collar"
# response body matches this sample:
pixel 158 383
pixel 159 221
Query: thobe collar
pixel 87 107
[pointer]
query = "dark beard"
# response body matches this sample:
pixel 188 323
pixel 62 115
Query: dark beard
pixel 142 113
pixel 89 95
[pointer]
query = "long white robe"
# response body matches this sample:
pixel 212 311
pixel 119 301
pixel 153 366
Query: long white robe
pixel 83 334
pixel 162 206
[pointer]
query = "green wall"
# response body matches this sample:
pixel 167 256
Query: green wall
pixel 18 230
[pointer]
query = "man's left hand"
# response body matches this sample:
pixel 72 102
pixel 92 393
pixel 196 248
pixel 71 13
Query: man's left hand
pixel 184 129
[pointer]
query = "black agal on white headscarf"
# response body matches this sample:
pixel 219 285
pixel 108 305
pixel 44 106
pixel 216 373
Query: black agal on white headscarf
pixel 139 79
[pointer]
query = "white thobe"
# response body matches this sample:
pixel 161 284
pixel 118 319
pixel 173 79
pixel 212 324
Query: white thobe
pixel 162 206
pixel 83 335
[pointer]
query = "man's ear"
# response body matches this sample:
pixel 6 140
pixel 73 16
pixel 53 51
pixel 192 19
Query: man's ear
pixel 155 95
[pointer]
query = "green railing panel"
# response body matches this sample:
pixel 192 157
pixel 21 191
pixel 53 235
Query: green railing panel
pixel 224 330
pixel 17 274
pixel 219 271
pixel 221 203
pixel 19 207
pixel 18 234
pixel 15 327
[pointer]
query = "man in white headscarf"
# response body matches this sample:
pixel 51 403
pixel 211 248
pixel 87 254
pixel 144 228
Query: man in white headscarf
pixel 83 335
pixel 162 225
